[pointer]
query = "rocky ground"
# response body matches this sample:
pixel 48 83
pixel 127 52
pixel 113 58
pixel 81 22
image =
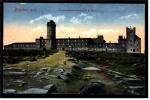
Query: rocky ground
pixel 62 74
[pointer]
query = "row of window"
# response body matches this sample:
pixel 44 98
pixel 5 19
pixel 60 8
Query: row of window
pixel 71 40
pixel 136 45
pixel 20 48
pixel 134 50
pixel 24 45
pixel 104 45
pixel 73 44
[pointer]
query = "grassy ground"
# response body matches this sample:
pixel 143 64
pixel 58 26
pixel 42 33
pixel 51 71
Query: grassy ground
pixel 53 60
pixel 56 60
pixel 126 63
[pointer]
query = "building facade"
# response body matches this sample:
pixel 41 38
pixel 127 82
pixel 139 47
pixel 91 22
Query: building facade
pixel 132 43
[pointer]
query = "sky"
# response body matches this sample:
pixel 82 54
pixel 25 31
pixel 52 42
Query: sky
pixel 23 22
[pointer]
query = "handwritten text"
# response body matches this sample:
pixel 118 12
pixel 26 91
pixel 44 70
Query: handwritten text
pixel 24 9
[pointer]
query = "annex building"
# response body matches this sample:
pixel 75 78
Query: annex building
pixel 132 43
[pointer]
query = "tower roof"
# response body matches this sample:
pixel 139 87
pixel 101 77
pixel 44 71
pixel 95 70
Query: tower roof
pixel 51 22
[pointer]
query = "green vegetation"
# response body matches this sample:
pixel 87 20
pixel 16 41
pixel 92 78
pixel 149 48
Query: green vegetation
pixel 16 56
pixel 127 63
pixel 54 59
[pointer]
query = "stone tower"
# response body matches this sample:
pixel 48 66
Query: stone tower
pixel 51 33
pixel 133 42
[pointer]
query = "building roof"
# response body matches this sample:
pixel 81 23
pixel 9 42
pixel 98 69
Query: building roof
pixel 19 43
pixel 8 45
pixel 137 37
pixel 24 43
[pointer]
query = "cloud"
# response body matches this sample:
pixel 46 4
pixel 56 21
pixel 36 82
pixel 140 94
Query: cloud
pixel 82 19
pixel 133 15
pixel 48 17
pixel 83 14
pixel 75 20
pixel 87 18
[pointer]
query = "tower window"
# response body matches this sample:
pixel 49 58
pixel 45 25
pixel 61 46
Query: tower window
pixel 137 40
pixel 131 49
pixel 137 44
pixel 130 44
pixel 137 49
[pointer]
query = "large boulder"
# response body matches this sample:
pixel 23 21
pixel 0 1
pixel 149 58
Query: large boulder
pixel 134 85
pixel 20 82
pixel 61 76
pixel 133 82
pixel 9 91
pixel 33 73
pixel 14 73
pixel 50 88
pixel 46 69
pixel 59 70
pixel 34 91
pixel 42 78
pixel 94 88
pixel 91 68
pixel 40 72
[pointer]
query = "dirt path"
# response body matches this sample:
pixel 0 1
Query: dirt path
pixel 57 59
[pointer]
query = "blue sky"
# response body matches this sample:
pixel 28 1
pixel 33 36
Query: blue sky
pixel 103 14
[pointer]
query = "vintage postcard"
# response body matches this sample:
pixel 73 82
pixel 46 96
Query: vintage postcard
pixel 88 49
